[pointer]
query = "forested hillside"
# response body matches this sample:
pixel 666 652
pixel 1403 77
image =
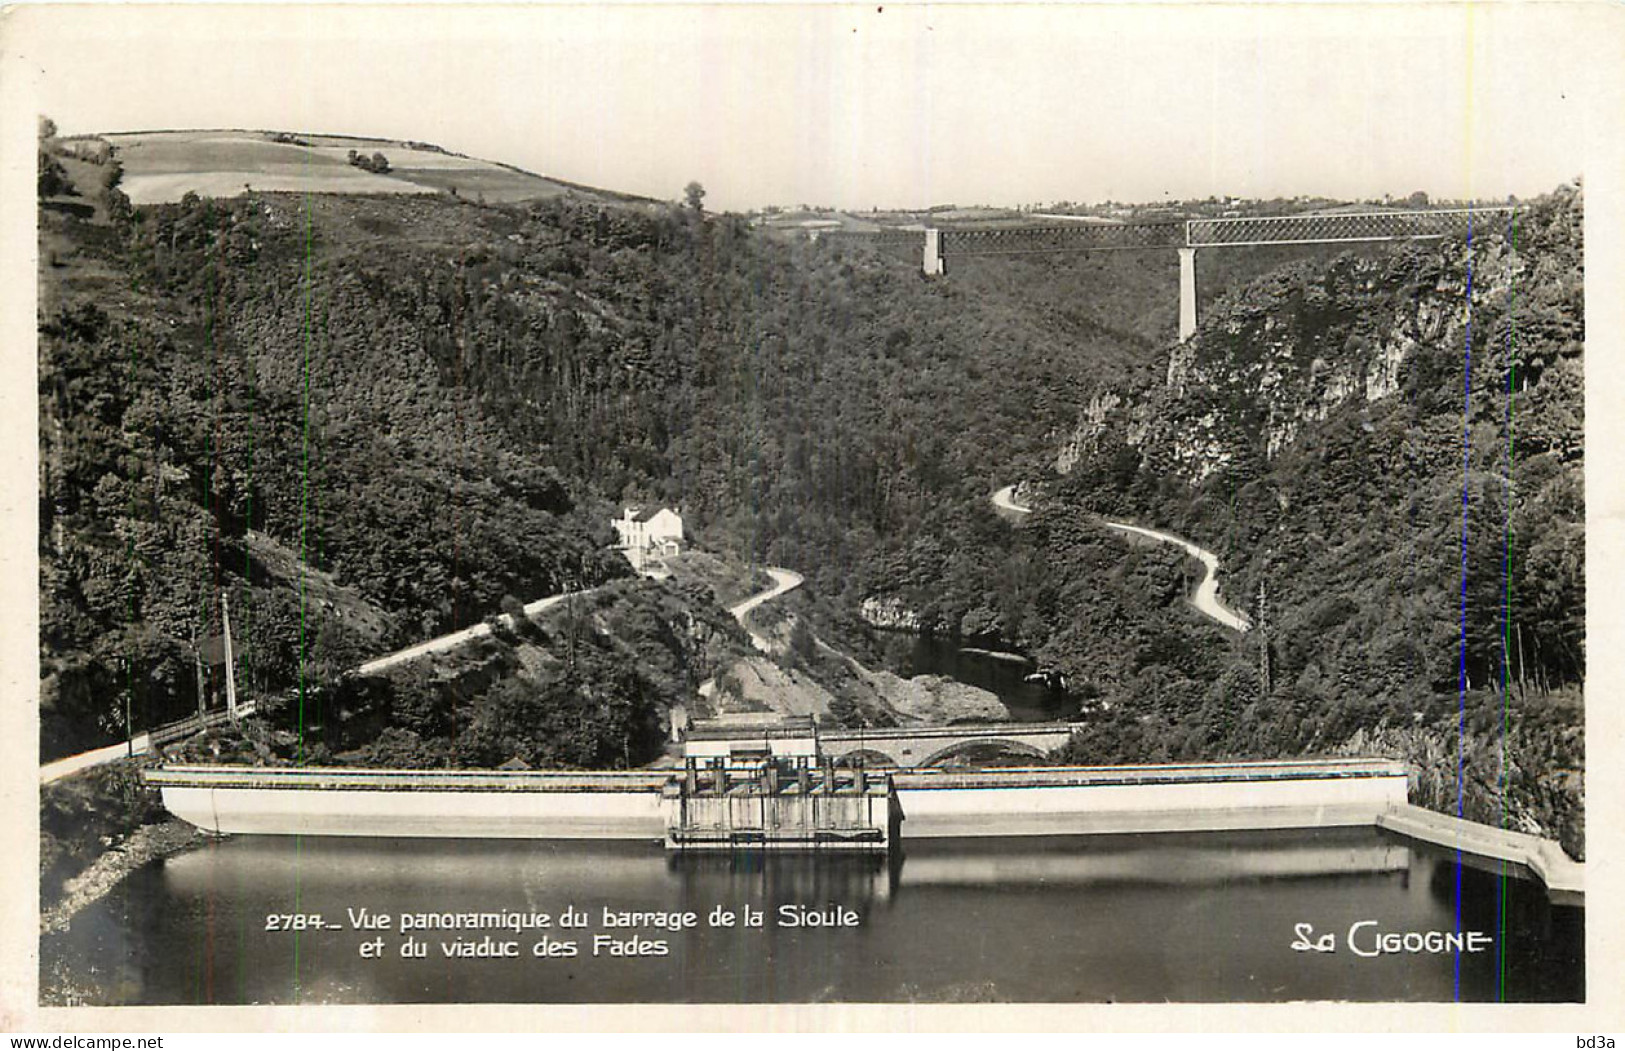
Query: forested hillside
pixel 1387 454
pixel 426 404
pixel 364 421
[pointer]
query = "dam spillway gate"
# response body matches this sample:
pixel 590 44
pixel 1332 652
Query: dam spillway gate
pixel 772 789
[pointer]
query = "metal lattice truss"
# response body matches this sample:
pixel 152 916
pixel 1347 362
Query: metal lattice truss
pixel 1326 228
pixel 1065 237
pixel 1342 226
pixel 911 239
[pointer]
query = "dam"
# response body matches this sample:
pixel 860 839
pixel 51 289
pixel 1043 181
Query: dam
pixel 1042 883
pixel 1015 801
pixel 774 786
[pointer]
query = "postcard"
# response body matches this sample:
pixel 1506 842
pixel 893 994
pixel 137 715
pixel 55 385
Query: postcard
pixel 1053 515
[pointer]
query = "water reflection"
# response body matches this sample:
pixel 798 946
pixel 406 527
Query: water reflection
pixel 856 878
pixel 1137 918
pixel 1155 860
pixel 1005 677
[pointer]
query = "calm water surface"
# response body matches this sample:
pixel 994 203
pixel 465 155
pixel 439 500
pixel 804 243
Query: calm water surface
pixel 1091 919
pixel 1028 702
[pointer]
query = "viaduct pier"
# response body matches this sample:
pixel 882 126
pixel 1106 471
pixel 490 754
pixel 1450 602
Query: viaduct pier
pixel 937 245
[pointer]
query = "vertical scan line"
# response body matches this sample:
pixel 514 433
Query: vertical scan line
pixel 1506 581
pixel 304 555
pixel 251 389
pixel 211 499
pixel 1461 668
pixel 1466 475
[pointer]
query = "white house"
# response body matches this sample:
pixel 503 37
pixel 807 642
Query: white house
pixel 647 536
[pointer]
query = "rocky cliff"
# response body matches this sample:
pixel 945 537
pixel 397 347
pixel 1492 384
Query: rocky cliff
pixel 1387 453
pixel 1288 351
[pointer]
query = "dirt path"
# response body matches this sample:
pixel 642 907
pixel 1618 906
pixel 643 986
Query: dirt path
pixel 784 580
pixel 1005 500
pixel 1206 596
pixel 60 768
pixel 458 638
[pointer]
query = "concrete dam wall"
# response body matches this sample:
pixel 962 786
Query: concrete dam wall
pixel 439 804
pixel 1175 800
pixel 549 805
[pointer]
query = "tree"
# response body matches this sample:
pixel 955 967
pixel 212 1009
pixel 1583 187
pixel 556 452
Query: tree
pixel 53 179
pixel 694 196
pixel 380 163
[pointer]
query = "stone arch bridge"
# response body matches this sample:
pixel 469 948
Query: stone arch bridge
pixel 916 746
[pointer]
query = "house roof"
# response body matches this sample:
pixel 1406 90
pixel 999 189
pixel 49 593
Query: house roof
pixel 649 515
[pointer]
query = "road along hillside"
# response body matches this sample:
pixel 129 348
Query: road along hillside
pixel 1206 596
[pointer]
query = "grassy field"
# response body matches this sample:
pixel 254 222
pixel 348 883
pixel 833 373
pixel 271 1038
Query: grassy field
pixel 399 158
pixel 171 154
pixel 169 187
pixel 162 166
pixel 490 184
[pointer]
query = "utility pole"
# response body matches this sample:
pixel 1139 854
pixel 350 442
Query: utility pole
pixel 197 656
pixel 1263 641
pixel 570 619
pixel 231 669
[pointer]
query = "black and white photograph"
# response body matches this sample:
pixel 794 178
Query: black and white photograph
pixel 810 505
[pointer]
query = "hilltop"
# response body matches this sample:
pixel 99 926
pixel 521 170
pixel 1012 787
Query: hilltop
pixel 161 167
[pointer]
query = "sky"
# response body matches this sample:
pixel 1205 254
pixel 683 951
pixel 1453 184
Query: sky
pixel 873 106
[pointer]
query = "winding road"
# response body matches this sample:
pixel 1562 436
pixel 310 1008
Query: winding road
pixel 60 768
pixel 459 638
pixel 1005 500
pixel 784 580
pixel 1206 596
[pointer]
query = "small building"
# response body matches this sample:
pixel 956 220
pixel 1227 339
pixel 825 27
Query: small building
pixel 648 536
pixel 745 739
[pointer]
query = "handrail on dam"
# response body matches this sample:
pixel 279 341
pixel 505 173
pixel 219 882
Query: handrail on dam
pixel 380 780
pixel 388 780
pixel 1158 774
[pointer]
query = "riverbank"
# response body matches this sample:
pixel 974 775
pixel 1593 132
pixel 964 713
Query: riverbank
pixel 147 844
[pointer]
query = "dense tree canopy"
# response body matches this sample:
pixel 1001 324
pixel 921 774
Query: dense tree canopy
pixel 425 405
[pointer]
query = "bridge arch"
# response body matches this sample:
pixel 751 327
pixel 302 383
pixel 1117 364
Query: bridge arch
pixel 1004 744
pixel 868 757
